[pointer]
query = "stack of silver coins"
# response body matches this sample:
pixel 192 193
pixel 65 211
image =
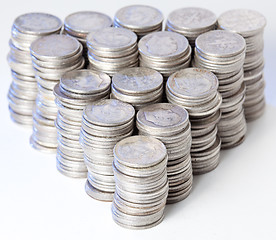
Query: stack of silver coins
pixel 76 89
pixel 170 124
pixel 249 24
pixel 223 53
pixel 191 22
pixel 138 86
pixel 141 182
pixel 104 123
pixel 140 19
pixel 80 24
pixel 23 90
pixel 52 56
pixel 112 49
pixel 197 91
pixel 165 52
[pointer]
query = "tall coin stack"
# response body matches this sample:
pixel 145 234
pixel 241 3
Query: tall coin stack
pixel 249 24
pixel 23 90
pixel 141 182
pixel 197 91
pixel 76 89
pixel 191 22
pixel 165 52
pixel 170 124
pixel 223 53
pixel 112 49
pixel 104 123
pixel 52 56
pixel 140 19
pixel 80 24
pixel 138 86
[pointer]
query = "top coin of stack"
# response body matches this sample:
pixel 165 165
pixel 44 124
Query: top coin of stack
pixel 140 19
pixel 191 22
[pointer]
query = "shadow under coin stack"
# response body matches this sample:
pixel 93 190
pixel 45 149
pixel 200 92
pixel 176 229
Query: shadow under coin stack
pixel 140 19
pixel 141 182
pixel 76 89
pixel 249 24
pixel 223 53
pixel 191 22
pixel 170 124
pixel 23 90
pixel 112 49
pixel 138 86
pixel 52 56
pixel 104 123
pixel 196 90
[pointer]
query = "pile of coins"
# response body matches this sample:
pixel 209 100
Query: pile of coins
pixel 52 56
pixel 165 52
pixel 138 86
pixel 191 22
pixel 249 24
pixel 196 90
pixel 112 49
pixel 223 53
pixel 76 89
pixel 23 90
pixel 104 123
pixel 140 19
pixel 141 182
pixel 170 124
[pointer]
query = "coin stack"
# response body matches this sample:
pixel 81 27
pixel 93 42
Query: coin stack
pixel 191 22
pixel 223 53
pixel 249 24
pixel 23 90
pixel 141 182
pixel 197 91
pixel 138 86
pixel 80 24
pixel 76 89
pixel 165 52
pixel 104 123
pixel 170 124
pixel 52 56
pixel 140 19
pixel 112 49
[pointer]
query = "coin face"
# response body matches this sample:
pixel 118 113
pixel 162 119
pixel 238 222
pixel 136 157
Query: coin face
pixel 37 23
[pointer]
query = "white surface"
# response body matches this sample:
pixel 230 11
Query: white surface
pixel 236 201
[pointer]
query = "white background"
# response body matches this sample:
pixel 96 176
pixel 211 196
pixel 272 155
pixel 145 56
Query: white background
pixel 236 201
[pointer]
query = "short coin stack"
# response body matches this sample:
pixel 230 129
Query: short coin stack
pixel 165 52
pixel 104 123
pixel 170 124
pixel 112 49
pixel 23 90
pixel 249 24
pixel 140 19
pixel 141 182
pixel 52 56
pixel 223 53
pixel 138 86
pixel 191 22
pixel 196 90
pixel 76 89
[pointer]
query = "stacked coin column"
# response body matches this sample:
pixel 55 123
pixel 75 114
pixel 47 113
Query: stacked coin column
pixel 249 24
pixel 196 90
pixel 52 56
pixel 23 90
pixel 76 89
pixel 141 182
pixel 170 124
pixel 223 53
pixel 104 123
